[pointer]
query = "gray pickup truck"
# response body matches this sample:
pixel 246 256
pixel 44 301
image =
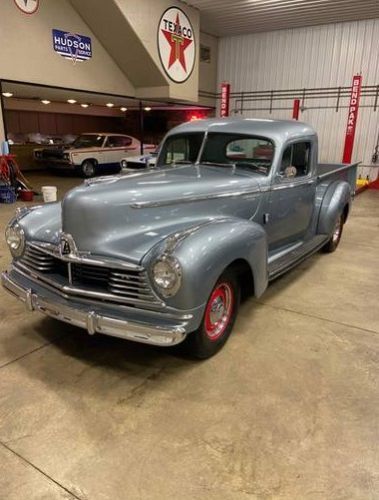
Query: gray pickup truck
pixel 163 256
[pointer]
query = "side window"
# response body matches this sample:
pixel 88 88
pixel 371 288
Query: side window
pixel 118 141
pixel 296 160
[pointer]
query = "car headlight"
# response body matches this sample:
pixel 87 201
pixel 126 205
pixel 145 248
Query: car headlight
pixel 66 156
pixel 167 275
pixel 15 238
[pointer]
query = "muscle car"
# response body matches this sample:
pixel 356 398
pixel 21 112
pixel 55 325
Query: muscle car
pixel 92 153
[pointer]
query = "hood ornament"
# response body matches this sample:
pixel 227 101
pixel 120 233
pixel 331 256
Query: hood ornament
pixel 67 246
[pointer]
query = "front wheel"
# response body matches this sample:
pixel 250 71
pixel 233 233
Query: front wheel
pixel 218 320
pixel 88 168
pixel 332 244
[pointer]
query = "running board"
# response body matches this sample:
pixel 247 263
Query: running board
pixel 294 257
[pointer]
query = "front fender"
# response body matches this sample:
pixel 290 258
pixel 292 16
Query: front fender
pixel 205 251
pixel 335 199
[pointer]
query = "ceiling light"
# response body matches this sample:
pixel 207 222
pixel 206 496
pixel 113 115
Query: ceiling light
pixel 147 108
pixel 71 101
pixel 123 109
pixel 84 105
pixel 110 104
pixel 7 94
pixel 45 101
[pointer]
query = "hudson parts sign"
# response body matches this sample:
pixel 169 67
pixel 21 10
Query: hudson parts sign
pixel 176 44
pixel 72 46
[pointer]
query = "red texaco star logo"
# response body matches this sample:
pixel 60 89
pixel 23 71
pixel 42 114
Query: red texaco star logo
pixel 178 44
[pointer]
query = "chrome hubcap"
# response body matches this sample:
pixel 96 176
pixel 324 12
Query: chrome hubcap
pixel 88 169
pixel 219 311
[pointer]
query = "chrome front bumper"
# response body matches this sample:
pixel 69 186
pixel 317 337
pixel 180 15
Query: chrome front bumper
pixel 92 321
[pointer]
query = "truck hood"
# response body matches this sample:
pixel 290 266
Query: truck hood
pixel 125 216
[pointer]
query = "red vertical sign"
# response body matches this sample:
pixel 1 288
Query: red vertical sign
pixel 296 109
pixel 225 98
pixel 352 118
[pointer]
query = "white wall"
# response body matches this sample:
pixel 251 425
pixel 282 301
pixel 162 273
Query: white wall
pixel 321 56
pixel 27 53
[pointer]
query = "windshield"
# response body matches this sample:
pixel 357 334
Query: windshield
pixel 220 150
pixel 243 151
pixel 88 141
pixel 181 148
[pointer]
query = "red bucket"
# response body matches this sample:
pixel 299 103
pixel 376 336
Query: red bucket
pixel 26 195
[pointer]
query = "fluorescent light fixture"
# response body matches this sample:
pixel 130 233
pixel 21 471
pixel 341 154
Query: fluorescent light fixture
pixel 71 101
pixel 110 104
pixel 123 109
pixel 84 105
pixel 7 94
pixel 147 108
pixel 45 101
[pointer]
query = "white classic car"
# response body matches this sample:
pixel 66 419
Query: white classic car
pixel 140 161
pixel 92 153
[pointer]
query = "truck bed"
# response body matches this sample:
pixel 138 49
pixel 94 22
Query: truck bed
pixel 338 171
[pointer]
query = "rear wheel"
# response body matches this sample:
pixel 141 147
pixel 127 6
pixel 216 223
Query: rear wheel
pixel 88 168
pixel 334 240
pixel 218 320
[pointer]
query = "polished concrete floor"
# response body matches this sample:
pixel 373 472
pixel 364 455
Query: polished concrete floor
pixel 288 410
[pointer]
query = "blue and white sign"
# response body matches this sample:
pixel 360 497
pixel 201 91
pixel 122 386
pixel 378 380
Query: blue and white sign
pixel 72 46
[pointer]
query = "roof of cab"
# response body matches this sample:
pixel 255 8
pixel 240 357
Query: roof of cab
pixel 281 130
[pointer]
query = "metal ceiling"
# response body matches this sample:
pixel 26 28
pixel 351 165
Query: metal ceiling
pixel 234 17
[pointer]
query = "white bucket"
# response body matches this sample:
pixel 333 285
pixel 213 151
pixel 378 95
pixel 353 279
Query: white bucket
pixel 49 193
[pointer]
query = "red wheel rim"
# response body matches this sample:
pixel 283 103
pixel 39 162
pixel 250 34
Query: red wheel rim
pixel 218 311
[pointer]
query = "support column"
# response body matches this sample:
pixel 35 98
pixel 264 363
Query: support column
pixel 141 127
pixel 3 132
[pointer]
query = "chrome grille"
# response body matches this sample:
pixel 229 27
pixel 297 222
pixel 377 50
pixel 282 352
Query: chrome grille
pixel 37 260
pixel 126 285
pixel 87 274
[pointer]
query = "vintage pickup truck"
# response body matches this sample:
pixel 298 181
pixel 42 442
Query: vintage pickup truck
pixel 163 256
pixel 92 153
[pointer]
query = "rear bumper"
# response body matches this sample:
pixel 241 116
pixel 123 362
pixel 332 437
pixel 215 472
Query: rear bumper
pixel 89 318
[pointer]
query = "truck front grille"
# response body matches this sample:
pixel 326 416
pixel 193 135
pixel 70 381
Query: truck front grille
pixel 129 286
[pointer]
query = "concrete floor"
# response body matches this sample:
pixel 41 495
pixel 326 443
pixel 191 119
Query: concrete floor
pixel 288 410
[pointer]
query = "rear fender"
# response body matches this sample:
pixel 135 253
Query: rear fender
pixel 205 251
pixel 335 199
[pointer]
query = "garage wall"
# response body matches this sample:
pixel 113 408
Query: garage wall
pixel 321 56
pixel 27 51
pixel 208 69
pixel 27 122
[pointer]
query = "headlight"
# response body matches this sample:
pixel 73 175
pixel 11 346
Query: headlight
pixel 15 238
pixel 167 275
pixel 66 156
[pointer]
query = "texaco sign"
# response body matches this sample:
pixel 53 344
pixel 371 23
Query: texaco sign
pixel 176 44
pixel 27 6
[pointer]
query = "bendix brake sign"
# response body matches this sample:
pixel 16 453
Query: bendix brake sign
pixel 176 44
